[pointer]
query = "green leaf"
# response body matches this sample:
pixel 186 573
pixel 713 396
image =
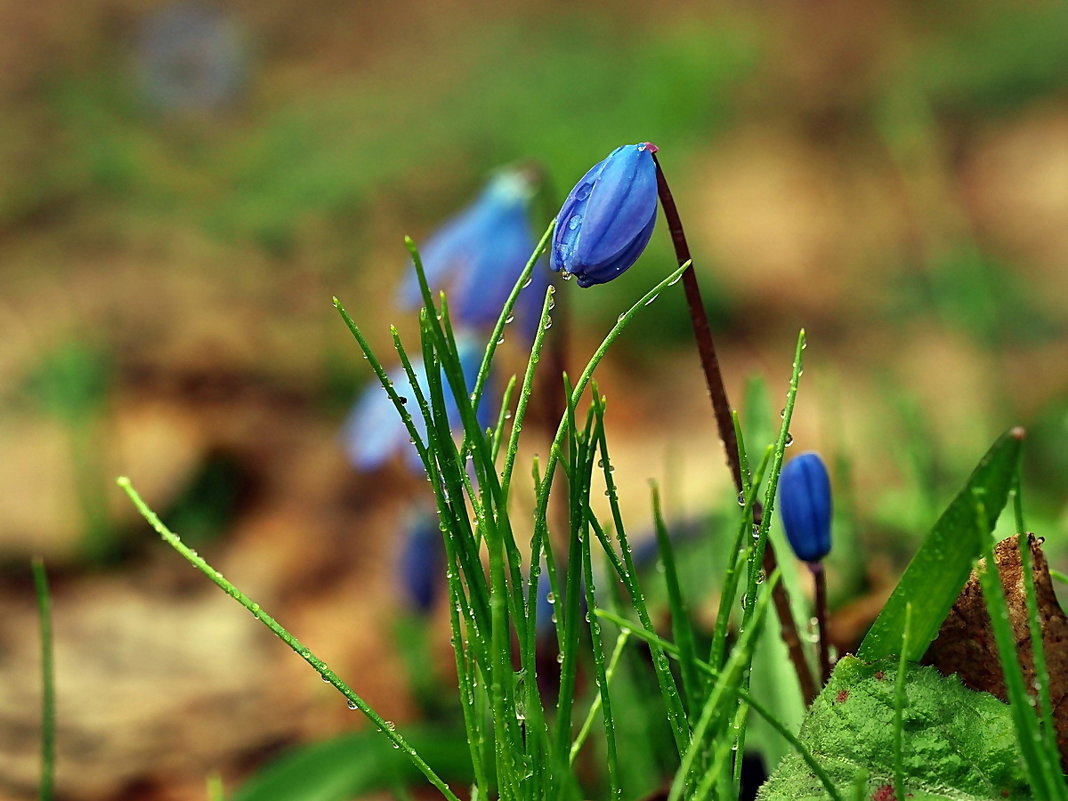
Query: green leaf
pixel 958 744
pixel 934 577
pixel 355 764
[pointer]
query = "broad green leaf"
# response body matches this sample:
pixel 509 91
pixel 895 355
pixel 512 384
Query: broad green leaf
pixel 958 744
pixel 355 764
pixel 934 577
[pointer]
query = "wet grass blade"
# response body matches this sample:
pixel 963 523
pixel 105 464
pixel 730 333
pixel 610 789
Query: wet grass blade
pixel 48 685
pixel 936 574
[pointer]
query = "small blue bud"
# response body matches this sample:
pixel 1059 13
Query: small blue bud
pixel 606 221
pixel 477 256
pixel 421 562
pixel 805 506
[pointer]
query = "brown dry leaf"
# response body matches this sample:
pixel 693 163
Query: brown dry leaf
pixel 965 644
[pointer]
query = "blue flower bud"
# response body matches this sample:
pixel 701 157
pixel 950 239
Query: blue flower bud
pixel 805 506
pixel 606 221
pixel 477 256
pixel 421 562
pixel 374 431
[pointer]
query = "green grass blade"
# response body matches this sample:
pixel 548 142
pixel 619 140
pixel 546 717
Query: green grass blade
pixel 681 627
pixel 356 702
pixel 719 701
pixel 48 681
pixel 1039 754
pixel 940 568
pixel 652 639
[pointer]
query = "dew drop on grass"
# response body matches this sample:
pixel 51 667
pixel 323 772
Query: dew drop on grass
pixel 550 598
pixel 789 439
pixel 527 282
pixel 741 499
pixel 552 304
pixel 325 679
pixel 560 658
pixel 654 297
pixel 500 339
pixel 621 316
pixel 508 414
pixel 548 323
pixel 352 704
pixel 675 280
pixel 509 319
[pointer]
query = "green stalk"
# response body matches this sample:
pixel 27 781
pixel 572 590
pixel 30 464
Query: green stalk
pixel 48 681
pixel 355 701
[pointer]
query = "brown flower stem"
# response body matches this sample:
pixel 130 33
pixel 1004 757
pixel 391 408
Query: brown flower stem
pixel 820 577
pixel 721 409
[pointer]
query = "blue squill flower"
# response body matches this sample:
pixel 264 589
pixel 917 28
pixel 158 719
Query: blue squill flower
pixel 374 432
pixel 606 221
pixel 421 562
pixel 805 506
pixel 477 256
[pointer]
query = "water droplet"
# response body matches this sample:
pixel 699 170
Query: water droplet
pixel 582 191
pixel 509 319
pixel 325 678
pixel 560 658
pixel 741 499
pixel 548 323
pixel 508 414
pixel 782 412
pixel 761 577
pixel 352 704
pixel 574 222
pixel 391 725
pixel 525 283
pixel 402 399
pixel 654 297
pixel 568 276
pixel 552 304
pixel 500 339
pixel 675 280
pixel 621 316
pixel 550 598
pixel 756 531
pixel 789 439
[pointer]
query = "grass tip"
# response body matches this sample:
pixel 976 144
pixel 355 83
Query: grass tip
pixel 336 303
pixel 1018 432
pixel 123 481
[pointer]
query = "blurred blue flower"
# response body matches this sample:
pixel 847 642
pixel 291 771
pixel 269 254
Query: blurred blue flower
pixel 374 431
pixel 421 562
pixel 191 57
pixel 477 256
pixel 607 219
pixel 805 506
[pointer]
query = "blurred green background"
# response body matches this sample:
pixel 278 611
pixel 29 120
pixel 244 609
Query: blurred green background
pixel 184 186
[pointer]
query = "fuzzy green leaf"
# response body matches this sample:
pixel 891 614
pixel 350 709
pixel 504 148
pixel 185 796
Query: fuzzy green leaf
pixel 934 577
pixel 958 744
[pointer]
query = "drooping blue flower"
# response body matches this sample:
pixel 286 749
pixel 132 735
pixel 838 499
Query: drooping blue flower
pixel 421 562
pixel 374 431
pixel 805 506
pixel 607 219
pixel 477 256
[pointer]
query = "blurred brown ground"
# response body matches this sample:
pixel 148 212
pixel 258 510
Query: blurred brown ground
pixel 803 213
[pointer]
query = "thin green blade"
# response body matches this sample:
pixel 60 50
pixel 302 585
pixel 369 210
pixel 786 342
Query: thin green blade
pixel 940 568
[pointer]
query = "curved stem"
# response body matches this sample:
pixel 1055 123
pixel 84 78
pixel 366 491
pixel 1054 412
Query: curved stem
pixel 721 409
